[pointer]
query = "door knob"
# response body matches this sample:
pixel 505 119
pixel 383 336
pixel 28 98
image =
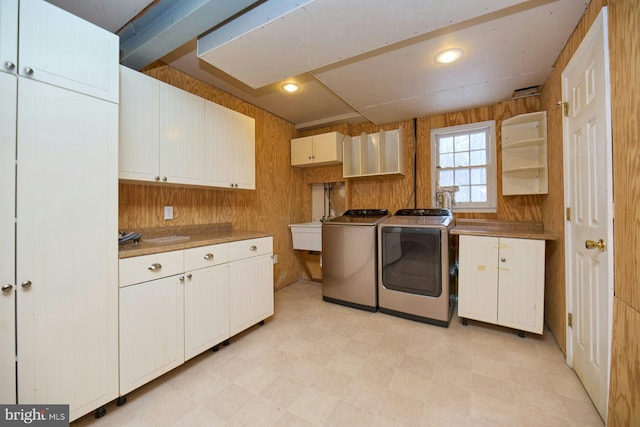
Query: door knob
pixel 592 244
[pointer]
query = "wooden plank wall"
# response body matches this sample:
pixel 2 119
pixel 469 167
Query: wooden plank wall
pixel 624 42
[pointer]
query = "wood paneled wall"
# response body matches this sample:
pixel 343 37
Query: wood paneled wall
pixel 624 42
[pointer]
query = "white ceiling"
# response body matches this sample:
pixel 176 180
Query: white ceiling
pixel 359 60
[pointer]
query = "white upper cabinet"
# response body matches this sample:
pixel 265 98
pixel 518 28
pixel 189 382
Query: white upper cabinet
pixel 139 155
pixel 9 36
pixel 317 150
pixel 229 148
pixel 65 51
pixel 171 136
pixel 181 136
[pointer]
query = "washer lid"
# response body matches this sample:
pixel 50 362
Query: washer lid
pixel 360 217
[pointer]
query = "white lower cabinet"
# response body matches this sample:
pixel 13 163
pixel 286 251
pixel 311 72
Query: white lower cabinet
pixel 501 281
pixel 151 331
pixel 175 305
pixel 251 289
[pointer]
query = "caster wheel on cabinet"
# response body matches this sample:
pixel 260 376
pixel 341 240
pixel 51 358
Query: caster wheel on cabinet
pixel 215 348
pixel 465 322
pixel 101 412
pixel 521 334
pixel 226 343
pixel 262 323
pixel 121 401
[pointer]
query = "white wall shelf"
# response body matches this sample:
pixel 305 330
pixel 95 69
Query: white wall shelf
pixel 376 154
pixel 524 154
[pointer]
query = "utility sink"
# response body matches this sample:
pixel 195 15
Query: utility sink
pixel 168 239
pixel 307 236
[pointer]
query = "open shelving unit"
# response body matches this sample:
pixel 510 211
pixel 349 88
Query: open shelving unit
pixel 375 154
pixel 524 154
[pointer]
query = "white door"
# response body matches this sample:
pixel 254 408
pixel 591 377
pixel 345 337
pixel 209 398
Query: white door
pixel 244 140
pixel 251 292
pixel 9 36
pixel 206 309
pixel 181 136
pixel 67 210
pixel 8 88
pixel 478 278
pixel 90 63
pixel 218 146
pixel 588 195
pixel 302 151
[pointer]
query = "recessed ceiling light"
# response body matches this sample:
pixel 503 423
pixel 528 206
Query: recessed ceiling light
pixel 448 56
pixel 290 87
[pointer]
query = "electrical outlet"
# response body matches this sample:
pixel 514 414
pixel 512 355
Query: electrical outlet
pixel 168 212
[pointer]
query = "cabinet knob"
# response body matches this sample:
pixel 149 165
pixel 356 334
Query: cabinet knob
pixel 231 185
pixel 9 65
pixel 28 71
pixel 189 276
pixel 26 284
pixel 155 267
pixel 181 278
pixel 503 259
pixel 236 185
pixel 157 178
pixel 253 248
pixel 309 157
pixel 208 256
pixel 7 287
pixel 164 178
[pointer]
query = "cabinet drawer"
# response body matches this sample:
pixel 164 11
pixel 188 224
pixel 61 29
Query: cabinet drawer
pixel 149 267
pixel 206 256
pixel 250 248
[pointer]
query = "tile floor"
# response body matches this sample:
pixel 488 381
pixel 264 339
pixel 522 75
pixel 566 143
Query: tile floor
pixel 317 363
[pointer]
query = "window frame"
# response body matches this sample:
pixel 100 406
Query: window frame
pixel 492 185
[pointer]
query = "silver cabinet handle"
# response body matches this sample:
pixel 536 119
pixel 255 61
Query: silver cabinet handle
pixel 7 287
pixel 28 71
pixel 26 283
pixel 157 178
pixel 181 278
pixel 253 248
pixel 189 276
pixel 155 266
pixel 9 65
pixel 208 256
pixel 503 259
pixel 164 178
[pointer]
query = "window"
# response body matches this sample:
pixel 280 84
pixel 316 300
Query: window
pixel 464 156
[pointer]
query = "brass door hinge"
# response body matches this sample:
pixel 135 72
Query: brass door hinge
pixel 570 319
pixel 565 107
pixel 568 214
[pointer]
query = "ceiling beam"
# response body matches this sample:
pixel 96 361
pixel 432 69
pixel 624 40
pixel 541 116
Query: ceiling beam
pixel 169 24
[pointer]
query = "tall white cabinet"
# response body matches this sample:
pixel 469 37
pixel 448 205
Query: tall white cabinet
pixel 501 281
pixel 60 143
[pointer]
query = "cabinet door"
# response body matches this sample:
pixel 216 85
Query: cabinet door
pixel 302 151
pixel 181 136
pixel 9 36
pixel 151 331
pixel 251 292
pixel 218 147
pixel 521 279
pixel 206 309
pixel 478 278
pixel 66 51
pixel 327 148
pixel 139 145
pixel 244 142
pixel 67 210
pixel 8 88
